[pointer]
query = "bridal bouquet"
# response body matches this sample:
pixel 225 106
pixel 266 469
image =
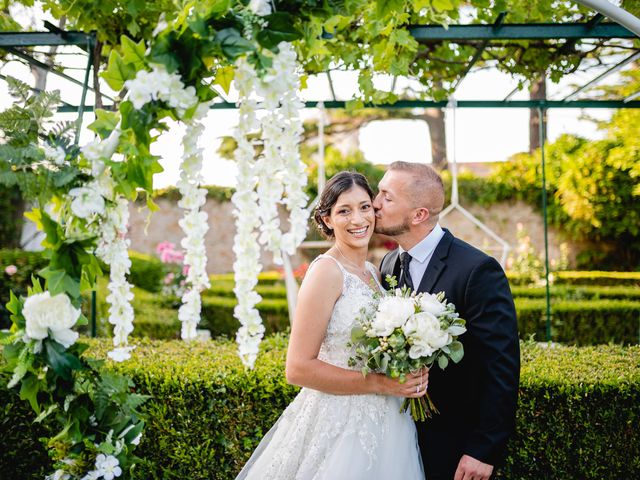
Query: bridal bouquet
pixel 405 333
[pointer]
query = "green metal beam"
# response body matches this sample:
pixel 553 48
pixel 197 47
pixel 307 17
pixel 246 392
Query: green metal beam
pixel 631 58
pixel 496 26
pixel 50 69
pixel 524 31
pixel 42 39
pixel 432 104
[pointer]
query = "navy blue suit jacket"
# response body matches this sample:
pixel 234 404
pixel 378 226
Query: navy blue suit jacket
pixel 476 397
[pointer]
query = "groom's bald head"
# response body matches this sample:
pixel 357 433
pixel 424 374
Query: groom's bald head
pixel 424 187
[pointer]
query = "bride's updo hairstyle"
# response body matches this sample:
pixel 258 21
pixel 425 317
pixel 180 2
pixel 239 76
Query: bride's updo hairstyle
pixel 336 186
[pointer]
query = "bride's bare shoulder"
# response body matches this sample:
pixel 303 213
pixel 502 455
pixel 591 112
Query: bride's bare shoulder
pixel 324 273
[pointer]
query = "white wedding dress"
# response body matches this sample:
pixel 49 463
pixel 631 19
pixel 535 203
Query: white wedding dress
pixel 321 436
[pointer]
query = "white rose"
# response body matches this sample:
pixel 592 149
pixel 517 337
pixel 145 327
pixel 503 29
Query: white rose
pixel 55 315
pixel 430 332
pixel 86 202
pixel 260 7
pixel 392 313
pixel 429 303
pixel 419 350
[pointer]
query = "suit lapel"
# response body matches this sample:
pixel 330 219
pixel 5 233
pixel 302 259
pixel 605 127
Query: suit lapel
pixel 390 266
pixel 436 264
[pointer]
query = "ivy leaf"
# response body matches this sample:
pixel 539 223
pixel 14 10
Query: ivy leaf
pixel 104 123
pixel 233 44
pixel 62 362
pixel 224 76
pixel 15 307
pixel 59 281
pixel 133 53
pixel 442 5
pixel 118 71
pixel 280 29
pixel 386 7
pixel 29 391
pixel 164 52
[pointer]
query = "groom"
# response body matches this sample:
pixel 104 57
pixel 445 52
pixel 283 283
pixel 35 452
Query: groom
pixel 476 397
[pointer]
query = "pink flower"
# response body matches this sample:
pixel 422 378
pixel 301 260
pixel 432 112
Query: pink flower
pixel 11 270
pixel 185 270
pixel 168 278
pixel 161 247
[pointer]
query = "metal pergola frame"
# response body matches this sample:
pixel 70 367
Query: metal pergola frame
pixel 595 28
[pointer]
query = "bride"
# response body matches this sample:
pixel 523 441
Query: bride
pixel 341 425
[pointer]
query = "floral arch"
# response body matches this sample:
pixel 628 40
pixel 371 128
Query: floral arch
pixel 266 53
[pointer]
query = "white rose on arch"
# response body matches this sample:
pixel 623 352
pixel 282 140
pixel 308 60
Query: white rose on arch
pixel 260 7
pixel 86 202
pixel 51 316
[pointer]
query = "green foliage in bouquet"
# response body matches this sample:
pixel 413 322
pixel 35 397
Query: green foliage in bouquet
pixel 91 413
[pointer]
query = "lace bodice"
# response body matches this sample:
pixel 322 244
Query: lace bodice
pixel 356 295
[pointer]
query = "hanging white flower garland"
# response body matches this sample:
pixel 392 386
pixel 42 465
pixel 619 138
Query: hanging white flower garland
pixel 276 178
pixel 113 217
pixel 245 245
pixel 194 224
pixel 113 245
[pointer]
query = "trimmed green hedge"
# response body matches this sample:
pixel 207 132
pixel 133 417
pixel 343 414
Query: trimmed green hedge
pixel 575 322
pixel 146 271
pixel 578 292
pixel 597 278
pixel 578 413
pixel 587 277
pixel 586 322
pixel 225 289
pixel 269 277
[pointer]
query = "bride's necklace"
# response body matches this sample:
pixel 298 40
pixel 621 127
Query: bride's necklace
pixel 358 268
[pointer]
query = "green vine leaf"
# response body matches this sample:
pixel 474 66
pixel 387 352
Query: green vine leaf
pixel 133 53
pixel 233 44
pixel 118 71
pixel 61 361
pixel 59 281
pixel 280 29
pixel 386 7
pixel 224 77
pixel 29 390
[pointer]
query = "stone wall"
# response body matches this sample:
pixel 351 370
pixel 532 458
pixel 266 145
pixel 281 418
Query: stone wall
pixel 500 218
pixel 163 226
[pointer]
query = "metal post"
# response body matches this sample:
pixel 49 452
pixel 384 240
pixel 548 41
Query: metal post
pixel 85 85
pixel 93 314
pixel 544 214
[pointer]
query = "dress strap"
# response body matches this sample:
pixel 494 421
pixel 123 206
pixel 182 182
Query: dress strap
pixel 324 255
pixel 374 273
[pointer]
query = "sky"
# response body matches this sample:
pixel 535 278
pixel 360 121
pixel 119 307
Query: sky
pixel 475 135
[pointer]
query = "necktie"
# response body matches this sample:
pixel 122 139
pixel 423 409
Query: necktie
pixel 405 275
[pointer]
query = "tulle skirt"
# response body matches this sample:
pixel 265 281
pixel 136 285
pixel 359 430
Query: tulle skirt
pixel 334 437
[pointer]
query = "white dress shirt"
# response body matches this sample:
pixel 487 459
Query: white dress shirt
pixel 421 253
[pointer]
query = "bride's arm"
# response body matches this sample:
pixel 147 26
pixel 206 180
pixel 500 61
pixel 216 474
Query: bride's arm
pixel 318 294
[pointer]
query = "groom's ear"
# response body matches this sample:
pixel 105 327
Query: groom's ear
pixel 420 215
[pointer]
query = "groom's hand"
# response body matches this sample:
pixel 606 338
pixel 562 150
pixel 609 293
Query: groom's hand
pixel 471 469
